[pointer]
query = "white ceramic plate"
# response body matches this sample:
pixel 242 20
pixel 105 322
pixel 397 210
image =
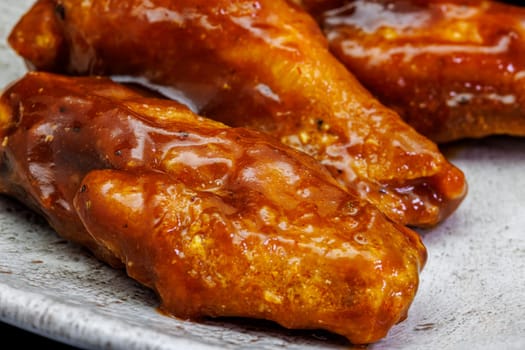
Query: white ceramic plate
pixel 471 295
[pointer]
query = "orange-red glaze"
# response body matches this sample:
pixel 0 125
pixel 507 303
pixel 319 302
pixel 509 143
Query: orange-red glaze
pixel 218 221
pixel 262 64
pixel 452 69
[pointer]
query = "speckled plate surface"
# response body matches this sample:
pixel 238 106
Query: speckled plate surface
pixel 472 293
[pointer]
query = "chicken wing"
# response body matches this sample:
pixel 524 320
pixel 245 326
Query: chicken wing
pixel 452 69
pixel 261 64
pixel 219 221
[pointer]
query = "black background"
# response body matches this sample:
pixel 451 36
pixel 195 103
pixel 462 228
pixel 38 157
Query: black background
pixel 21 339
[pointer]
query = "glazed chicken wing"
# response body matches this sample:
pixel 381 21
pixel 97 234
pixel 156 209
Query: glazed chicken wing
pixel 261 64
pixel 219 221
pixel 452 69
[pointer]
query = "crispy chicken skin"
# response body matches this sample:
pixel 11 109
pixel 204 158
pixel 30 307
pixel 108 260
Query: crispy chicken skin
pixel 219 221
pixel 452 69
pixel 260 64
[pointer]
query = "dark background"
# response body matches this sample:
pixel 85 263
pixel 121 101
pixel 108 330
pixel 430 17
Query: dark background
pixel 21 339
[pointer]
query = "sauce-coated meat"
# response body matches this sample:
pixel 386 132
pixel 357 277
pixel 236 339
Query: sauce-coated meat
pixel 262 64
pixel 453 69
pixel 219 221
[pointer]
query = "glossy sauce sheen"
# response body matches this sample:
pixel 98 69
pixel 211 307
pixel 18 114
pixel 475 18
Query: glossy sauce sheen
pixel 218 221
pixel 452 69
pixel 259 64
